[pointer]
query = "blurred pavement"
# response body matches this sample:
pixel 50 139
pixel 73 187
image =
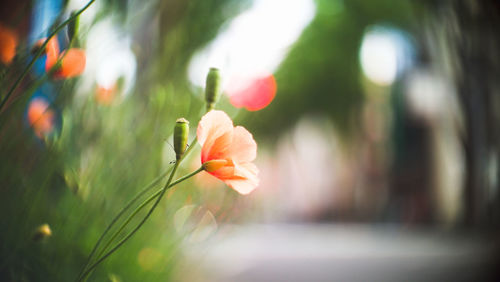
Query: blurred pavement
pixel 321 252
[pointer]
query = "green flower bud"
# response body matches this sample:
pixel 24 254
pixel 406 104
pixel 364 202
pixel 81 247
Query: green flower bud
pixel 212 88
pixel 73 27
pixel 181 133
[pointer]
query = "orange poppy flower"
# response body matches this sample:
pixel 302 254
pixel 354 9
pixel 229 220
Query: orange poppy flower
pixel 72 64
pixel 227 152
pixel 8 44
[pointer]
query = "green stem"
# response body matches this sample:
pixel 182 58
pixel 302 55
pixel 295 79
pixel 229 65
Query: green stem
pixel 140 207
pixel 136 228
pixel 159 194
pixel 39 53
pixel 122 211
pixel 129 204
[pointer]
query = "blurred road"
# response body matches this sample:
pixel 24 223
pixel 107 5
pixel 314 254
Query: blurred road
pixel 343 253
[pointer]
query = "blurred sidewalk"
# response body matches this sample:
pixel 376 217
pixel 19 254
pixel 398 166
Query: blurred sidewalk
pixel 320 252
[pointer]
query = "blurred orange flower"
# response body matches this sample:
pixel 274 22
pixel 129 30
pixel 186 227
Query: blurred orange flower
pixel 72 63
pixel 52 51
pixel 105 95
pixel 255 96
pixel 40 117
pixel 8 44
pixel 228 152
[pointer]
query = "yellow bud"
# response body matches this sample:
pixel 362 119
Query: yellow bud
pixel 212 88
pixel 214 165
pixel 181 132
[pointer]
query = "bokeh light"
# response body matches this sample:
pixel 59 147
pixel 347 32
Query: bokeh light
pixel 385 53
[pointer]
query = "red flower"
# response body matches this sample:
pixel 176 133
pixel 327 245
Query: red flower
pixel 228 152
pixel 257 95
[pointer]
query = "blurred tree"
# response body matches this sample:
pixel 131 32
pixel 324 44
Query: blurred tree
pixel 184 27
pixel 468 49
pixel 321 73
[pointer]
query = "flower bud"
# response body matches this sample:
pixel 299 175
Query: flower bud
pixel 212 88
pixel 181 132
pixel 43 231
pixel 73 27
pixel 214 165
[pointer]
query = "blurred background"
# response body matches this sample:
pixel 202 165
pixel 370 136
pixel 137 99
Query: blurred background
pixel 376 121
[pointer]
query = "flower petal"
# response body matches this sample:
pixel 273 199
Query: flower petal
pixel 52 50
pixel 245 179
pixel 224 173
pixel 243 148
pixel 8 44
pixel 241 186
pixel 72 64
pixel 218 149
pixel 248 171
pixel 215 133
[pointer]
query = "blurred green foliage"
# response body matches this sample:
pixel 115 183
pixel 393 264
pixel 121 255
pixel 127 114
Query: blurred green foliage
pixel 321 74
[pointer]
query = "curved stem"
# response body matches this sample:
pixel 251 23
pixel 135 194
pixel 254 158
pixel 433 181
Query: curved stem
pixel 122 211
pixel 131 202
pixel 159 194
pixel 135 229
pixel 140 207
pixel 39 53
